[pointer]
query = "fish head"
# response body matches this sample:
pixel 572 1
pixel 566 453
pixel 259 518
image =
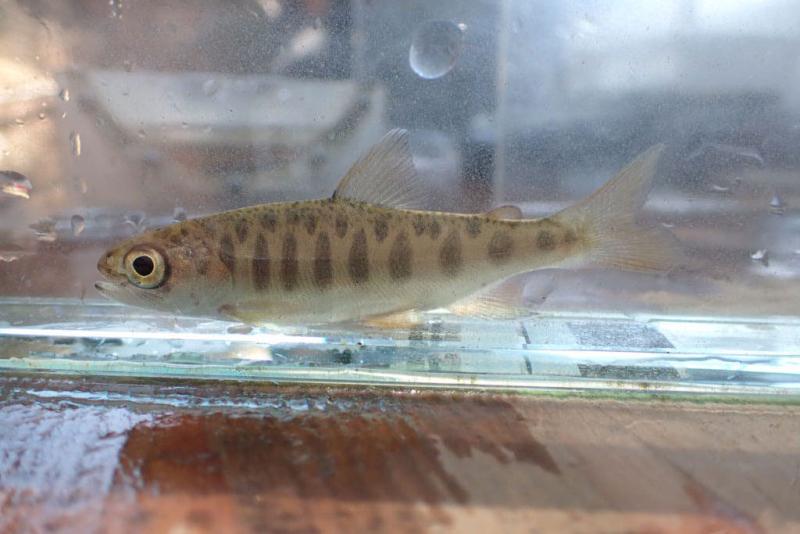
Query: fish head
pixel 149 271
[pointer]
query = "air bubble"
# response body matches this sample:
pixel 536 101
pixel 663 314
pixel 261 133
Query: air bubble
pixel 435 48
pixel 64 95
pixel 44 230
pixel 42 116
pixel 19 122
pixel 75 141
pixel 761 256
pixel 14 184
pixel 78 224
pixel 776 205
pixel 179 215
pixel 210 87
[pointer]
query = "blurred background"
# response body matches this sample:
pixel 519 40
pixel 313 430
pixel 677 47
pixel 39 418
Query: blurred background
pixel 117 116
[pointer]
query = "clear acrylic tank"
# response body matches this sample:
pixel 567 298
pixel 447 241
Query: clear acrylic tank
pixel 117 117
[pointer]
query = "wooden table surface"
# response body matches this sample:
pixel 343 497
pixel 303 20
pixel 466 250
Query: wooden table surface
pixel 103 455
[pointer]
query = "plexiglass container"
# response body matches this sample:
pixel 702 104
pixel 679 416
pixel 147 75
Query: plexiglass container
pixel 116 117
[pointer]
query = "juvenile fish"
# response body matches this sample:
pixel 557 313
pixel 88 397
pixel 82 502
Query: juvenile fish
pixel 369 254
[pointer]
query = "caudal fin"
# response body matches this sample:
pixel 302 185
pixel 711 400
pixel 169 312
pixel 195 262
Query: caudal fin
pixel 607 221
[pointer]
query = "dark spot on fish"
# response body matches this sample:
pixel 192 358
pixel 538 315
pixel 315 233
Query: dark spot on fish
pixel 241 230
pixel 501 246
pixel 474 226
pixel 357 260
pixel 261 264
pixel 545 240
pixel 381 228
pixel 290 267
pixel 202 266
pixel 570 237
pixel 400 258
pixel 323 266
pixel 175 239
pixel 227 255
pixel 311 223
pixel 184 232
pixel 269 221
pixel 292 216
pixel 209 228
pixel 419 224
pixel 450 259
pixel 341 226
pixel 434 229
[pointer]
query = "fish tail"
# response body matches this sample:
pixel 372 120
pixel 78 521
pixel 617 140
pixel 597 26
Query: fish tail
pixel 606 221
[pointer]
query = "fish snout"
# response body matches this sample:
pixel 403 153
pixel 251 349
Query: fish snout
pixel 106 263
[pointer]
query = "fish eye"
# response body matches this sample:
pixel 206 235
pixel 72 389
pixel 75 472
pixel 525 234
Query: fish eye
pixel 145 267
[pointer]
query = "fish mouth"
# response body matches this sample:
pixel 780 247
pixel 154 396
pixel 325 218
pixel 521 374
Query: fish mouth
pixel 107 289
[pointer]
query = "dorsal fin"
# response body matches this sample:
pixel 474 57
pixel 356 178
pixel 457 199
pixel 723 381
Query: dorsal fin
pixel 385 175
pixel 504 212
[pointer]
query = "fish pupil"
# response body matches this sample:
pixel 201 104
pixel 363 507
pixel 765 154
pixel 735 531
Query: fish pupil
pixel 143 265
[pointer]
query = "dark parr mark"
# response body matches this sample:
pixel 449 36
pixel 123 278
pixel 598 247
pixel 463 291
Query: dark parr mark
pixel 323 266
pixel 227 255
pixel 474 226
pixel 501 246
pixel 269 221
pixel 261 264
pixel 241 230
pixel 400 258
pixel 450 259
pixel 546 240
pixel 419 224
pixel 292 216
pixel 570 237
pixel 434 228
pixel 290 267
pixel 381 228
pixel 341 226
pixel 310 223
pixel 357 260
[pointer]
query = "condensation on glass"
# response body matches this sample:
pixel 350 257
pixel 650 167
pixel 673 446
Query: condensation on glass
pixel 121 116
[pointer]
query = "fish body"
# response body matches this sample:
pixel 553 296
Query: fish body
pixel 364 254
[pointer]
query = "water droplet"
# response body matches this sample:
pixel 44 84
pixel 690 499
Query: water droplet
pixel 45 230
pixel 435 49
pixel 210 87
pixel 179 215
pixel 240 329
pixel 720 188
pixel 761 255
pixel 136 220
pixel 19 122
pixel 317 23
pixel 64 95
pixel 75 141
pixel 298 405
pixel 668 225
pixel 184 125
pixel 8 258
pixel 141 134
pixel 78 224
pixel 84 187
pixel 776 205
pixel 14 184
pixel 42 116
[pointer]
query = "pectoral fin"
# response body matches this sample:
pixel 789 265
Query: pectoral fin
pixel 500 301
